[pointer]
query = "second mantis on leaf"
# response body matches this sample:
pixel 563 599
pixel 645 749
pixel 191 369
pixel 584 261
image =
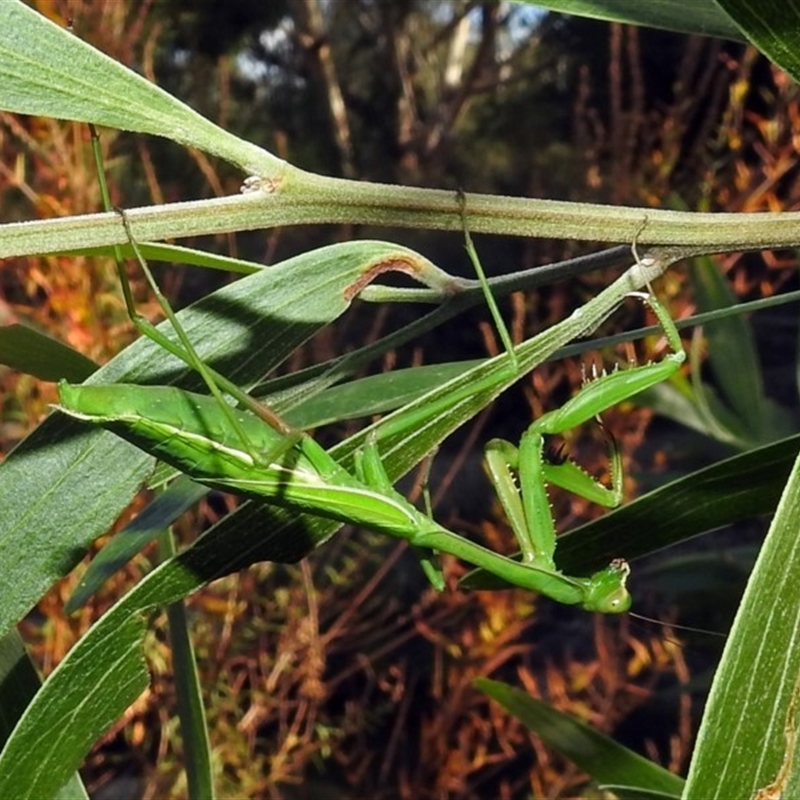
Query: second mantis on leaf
pixel 250 452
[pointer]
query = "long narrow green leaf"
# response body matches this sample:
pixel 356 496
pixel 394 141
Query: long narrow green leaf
pixel 26 350
pixel 18 679
pixel 59 727
pixel 177 254
pixel 50 72
pixel 732 352
pixel 376 394
pixel 168 506
pixel 188 692
pixel 684 16
pixel 634 793
pixel 747 744
pixel 594 752
pixel 772 26
pixel 18 682
pixel 733 358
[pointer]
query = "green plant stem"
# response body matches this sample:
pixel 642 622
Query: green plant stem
pixel 194 730
pixel 302 198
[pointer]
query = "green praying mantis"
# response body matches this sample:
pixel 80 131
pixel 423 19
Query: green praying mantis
pixel 249 451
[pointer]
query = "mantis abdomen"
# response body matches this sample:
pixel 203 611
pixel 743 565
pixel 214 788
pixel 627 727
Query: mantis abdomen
pixel 187 431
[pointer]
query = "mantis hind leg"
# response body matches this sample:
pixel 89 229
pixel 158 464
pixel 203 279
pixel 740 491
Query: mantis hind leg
pixel 370 470
pixel 502 328
pixel 185 351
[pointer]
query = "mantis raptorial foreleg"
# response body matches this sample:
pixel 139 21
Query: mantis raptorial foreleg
pixel 528 508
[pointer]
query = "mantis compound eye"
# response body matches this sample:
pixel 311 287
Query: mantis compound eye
pixel 617 602
pixel 607 592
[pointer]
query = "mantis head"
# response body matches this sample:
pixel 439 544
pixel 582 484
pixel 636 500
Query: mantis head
pixel 606 592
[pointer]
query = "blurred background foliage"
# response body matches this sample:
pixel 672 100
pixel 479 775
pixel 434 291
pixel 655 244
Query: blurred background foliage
pixel 344 676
